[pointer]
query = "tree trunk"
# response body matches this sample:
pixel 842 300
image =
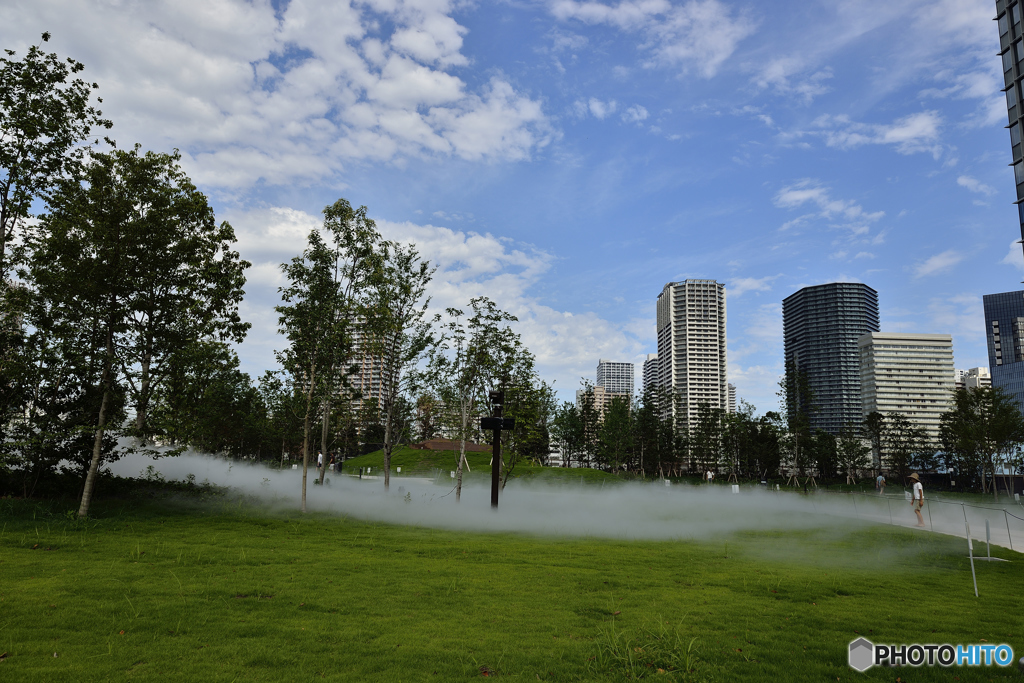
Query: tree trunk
pixel 97 445
pixel 142 407
pixel 387 446
pixel 305 456
pixel 462 453
pixel 323 437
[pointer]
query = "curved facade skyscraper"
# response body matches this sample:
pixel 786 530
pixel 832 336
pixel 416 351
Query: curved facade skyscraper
pixel 821 326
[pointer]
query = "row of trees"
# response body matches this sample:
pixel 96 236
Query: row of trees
pixel 981 436
pixel 119 316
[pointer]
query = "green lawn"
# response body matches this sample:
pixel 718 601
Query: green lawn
pixel 224 590
pixel 427 462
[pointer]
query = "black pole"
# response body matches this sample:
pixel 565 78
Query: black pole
pixel 497 398
pixel 495 468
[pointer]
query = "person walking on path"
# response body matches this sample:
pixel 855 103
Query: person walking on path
pixel 880 484
pixel 917 498
pixel 319 460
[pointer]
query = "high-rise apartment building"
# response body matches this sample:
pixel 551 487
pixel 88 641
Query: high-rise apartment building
pixel 973 378
pixel 1004 328
pixel 732 398
pixel 615 377
pixel 601 397
pixel 909 374
pixel 650 376
pixel 821 326
pixel 1011 48
pixel 691 347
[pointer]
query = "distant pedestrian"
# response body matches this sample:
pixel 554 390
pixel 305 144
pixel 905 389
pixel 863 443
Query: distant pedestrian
pixel 880 484
pixel 917 498
pixel 319 460
pixel 710 476
pixel 331 464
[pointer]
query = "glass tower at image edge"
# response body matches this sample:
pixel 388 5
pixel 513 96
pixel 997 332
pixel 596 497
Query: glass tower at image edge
pixel 1004 331
pixel 1011 50
pixel 821 326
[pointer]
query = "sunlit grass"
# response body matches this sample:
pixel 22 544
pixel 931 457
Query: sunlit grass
pixel 224 590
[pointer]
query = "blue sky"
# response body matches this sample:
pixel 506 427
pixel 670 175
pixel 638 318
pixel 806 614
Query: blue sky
pixel 569 158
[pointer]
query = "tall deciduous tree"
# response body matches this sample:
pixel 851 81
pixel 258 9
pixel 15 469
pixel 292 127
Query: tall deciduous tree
pixel 984 426
pixel 852 451
pixel 397 334
pixel 44 114
pixel 320 313
pixel 468 362
pixel 92 262
pixel 567 432
pixel 615 435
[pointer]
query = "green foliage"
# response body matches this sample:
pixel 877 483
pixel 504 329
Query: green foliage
pixel 43 118
pixel 615 436
pixel 476 355
pixel 984 429
pixel 321 311
pixel 128 266
pixel 851 451
pixel 397 335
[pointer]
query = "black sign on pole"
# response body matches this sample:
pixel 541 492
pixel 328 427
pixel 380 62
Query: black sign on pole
pixel 496 423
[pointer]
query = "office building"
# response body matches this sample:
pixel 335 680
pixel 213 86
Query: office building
pixel 732 398
pixel 650 376
pixel 909 374
pixel 821 326
pixel 1011 49
pixel 973 378
pixel 691 347
pixel 1004 329
pixel 615 377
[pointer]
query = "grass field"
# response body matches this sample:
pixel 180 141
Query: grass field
pixel 221 589
pixel 427 462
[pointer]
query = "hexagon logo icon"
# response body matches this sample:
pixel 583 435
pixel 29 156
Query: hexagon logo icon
pixel 862 654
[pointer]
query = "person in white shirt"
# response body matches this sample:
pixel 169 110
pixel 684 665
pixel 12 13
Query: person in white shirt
pixel 319 460
pixel 917 498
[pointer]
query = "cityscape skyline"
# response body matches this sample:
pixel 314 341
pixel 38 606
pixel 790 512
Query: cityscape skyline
pixel 768 148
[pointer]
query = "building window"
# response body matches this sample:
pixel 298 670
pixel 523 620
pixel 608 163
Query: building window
pixel 1004 25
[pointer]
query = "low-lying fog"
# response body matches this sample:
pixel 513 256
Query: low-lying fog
pixel 629 511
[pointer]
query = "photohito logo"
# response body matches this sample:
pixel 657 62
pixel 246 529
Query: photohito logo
pixel 864 654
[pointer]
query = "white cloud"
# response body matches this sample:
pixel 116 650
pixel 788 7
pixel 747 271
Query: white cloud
pixel 962 316
pixel 469 264
pixel 698 34
pixel 808 191
pixel 910 134
pixel 738 286
pixel 938 263
pixel 779 74
pixel 248 95
pixel 594 107
pixel 975 185
pixel 1014 256
pixel 635 114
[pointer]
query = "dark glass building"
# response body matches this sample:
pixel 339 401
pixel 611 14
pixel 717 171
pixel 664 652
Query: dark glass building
pixel 1004 328
pixel 821 326
pixel 1011 48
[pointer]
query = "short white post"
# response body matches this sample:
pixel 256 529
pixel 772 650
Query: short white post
pixel 970 549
